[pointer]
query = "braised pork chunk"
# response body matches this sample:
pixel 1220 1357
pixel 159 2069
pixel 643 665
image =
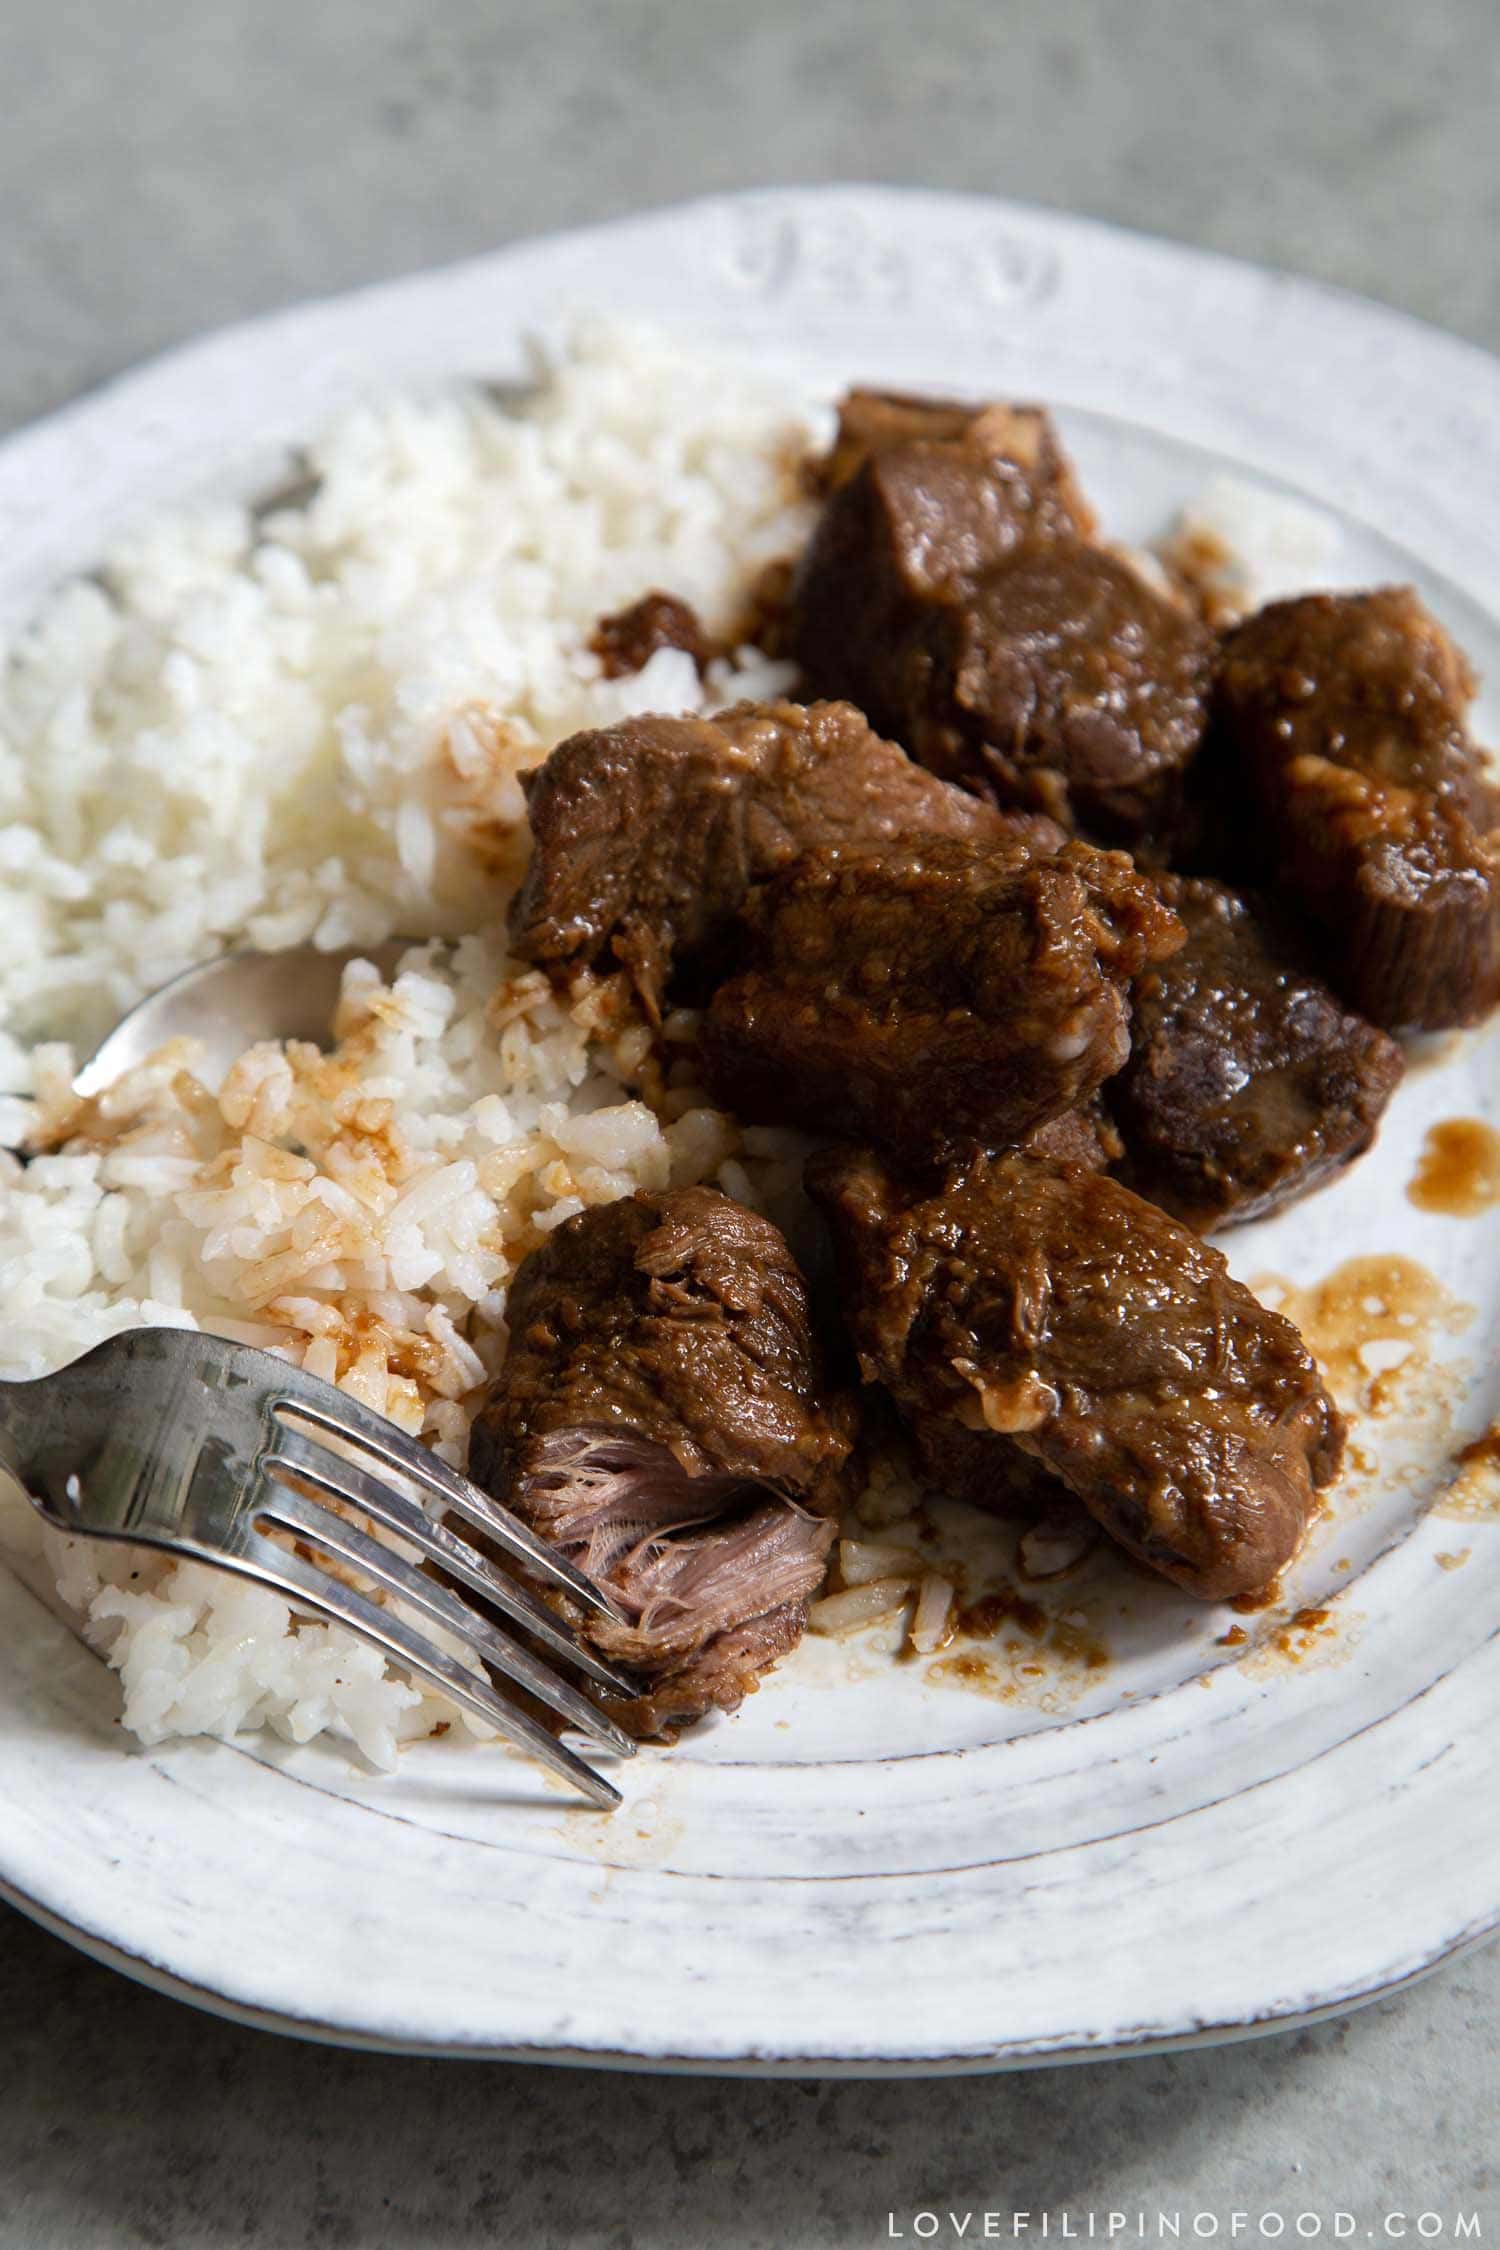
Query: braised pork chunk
pixel 954 590
pixel 664 1417
pixel 1343 716
pixel 935 998
pixel 1063 683
pixel 1248 1084
pixel 647 835
pixel 1050 1311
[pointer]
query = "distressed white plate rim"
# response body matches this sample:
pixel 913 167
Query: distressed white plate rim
pixel 878 1876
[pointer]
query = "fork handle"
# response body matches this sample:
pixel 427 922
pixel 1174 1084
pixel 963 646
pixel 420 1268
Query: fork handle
pixel 60 1436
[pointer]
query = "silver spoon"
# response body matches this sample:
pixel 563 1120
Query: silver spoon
pixel 230 1003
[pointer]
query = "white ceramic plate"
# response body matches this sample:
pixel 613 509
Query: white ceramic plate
pixel 869 1868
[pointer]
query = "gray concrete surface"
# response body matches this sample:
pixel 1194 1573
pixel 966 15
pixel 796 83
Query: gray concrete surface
pixel 168 164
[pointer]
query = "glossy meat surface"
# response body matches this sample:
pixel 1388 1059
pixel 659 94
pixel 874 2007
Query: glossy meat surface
pixel 1063 683
pixel 952 588
pixel 647 835
pixel 1344 717
pixel 663 1416
pixel 1053 1311
pixel 1248 1084
pixel 924 496
pixel 933 999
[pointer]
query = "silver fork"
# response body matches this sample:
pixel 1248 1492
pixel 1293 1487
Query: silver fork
pixel 191 1444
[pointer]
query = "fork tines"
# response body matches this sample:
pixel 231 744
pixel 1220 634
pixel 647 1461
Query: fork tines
pixel 323 1448
pixel 397 1451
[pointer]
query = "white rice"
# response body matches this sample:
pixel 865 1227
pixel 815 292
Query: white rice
pixel 311 728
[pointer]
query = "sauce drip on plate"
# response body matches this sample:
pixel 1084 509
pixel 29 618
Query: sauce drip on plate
pixel 1458 1175
pixel 1369 1325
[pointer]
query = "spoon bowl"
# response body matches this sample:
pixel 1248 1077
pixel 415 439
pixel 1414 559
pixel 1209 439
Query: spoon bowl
pixel 229 1004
